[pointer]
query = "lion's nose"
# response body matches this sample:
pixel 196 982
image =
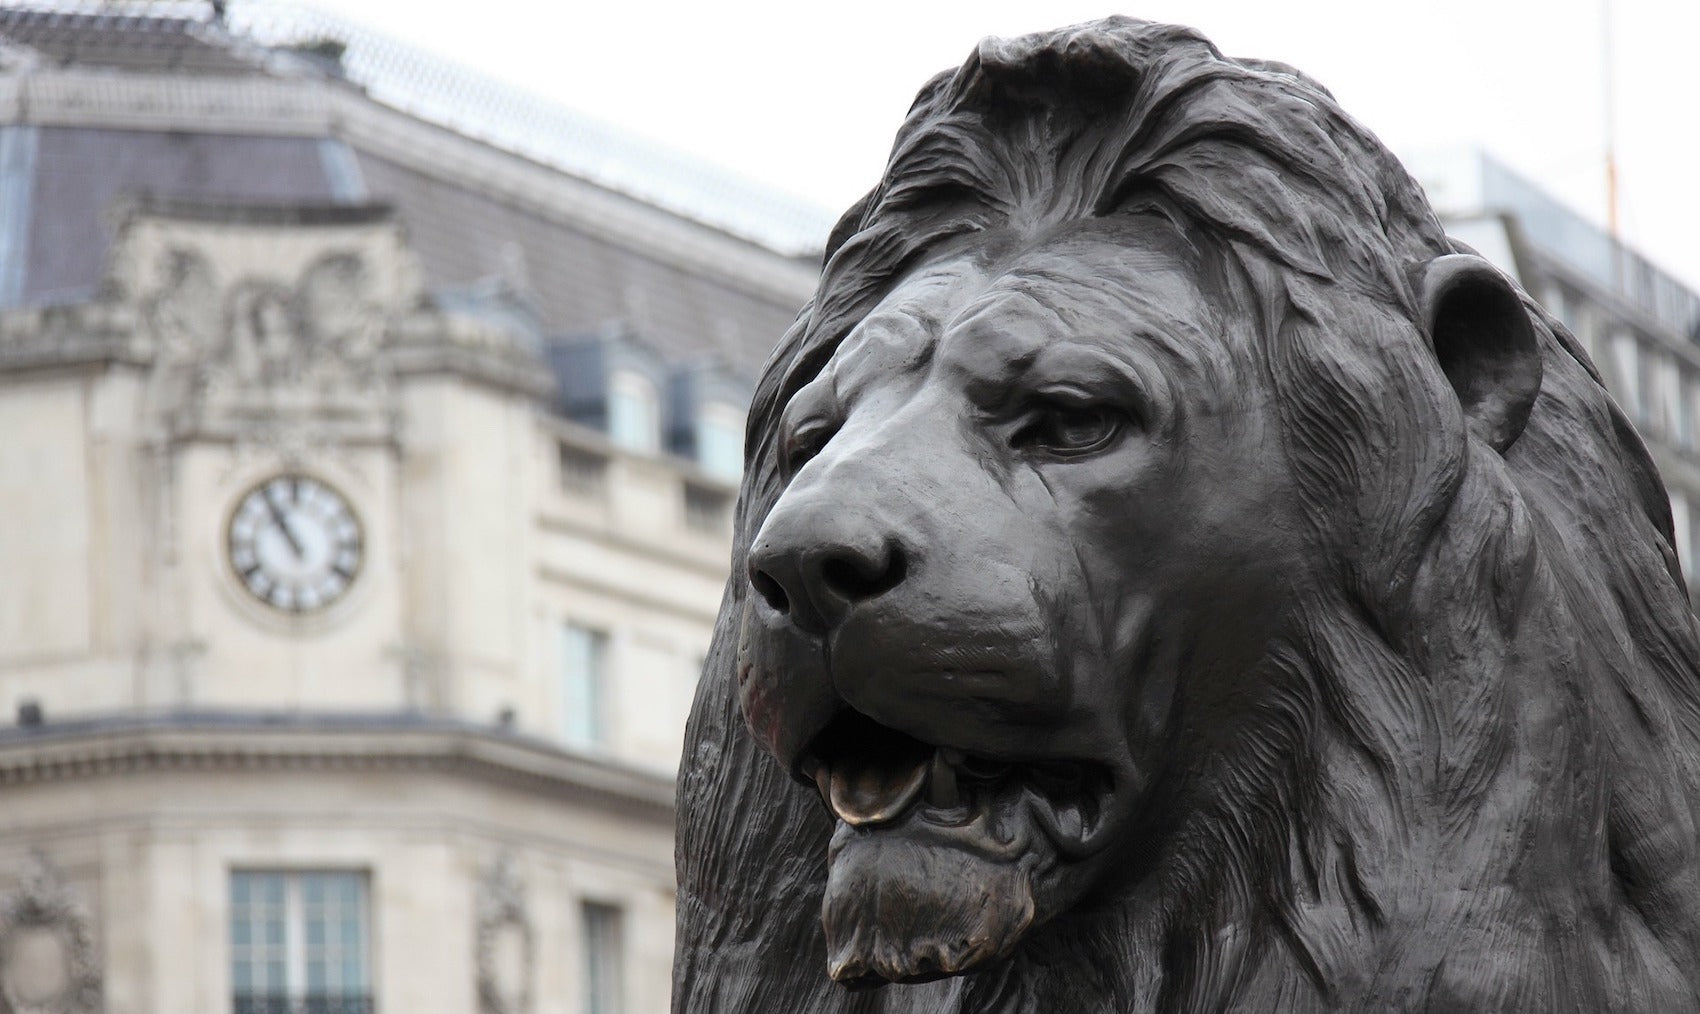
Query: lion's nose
pixel 815 573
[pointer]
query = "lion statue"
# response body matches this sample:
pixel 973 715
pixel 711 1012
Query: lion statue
pixel 1174 576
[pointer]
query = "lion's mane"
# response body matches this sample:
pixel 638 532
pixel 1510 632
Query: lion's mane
pixel 1386 772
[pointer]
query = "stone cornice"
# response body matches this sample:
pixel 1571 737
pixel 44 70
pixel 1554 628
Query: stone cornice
pixel 46 337
pixel 96 748
pixel 83 97
pixel 430 343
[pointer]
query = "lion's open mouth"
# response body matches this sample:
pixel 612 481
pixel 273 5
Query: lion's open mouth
pixel 941 855
pixel 869 774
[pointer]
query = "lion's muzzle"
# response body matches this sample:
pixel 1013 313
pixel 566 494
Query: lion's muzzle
pixel 814 561
pixel 903 651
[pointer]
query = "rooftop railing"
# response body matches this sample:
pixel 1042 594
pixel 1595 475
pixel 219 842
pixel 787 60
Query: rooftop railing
pixel 294 38
pixel 1562 233
pixel 462 99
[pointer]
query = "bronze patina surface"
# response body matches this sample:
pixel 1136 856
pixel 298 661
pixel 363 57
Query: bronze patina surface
pixel 1174 576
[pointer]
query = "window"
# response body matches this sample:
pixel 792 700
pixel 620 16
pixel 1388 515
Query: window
pixel 1678 425
pixel 1559 303
pixel 634 413
pixel 298 943
pixel 1571 309
pixel 1652 391
pixel 1688 437
pixel 1578 316
pixel 707 510
pixel 583 473
pixel 1661 390
pixel 720 442
pixel 584 687
pixel 603 959
pixel 1625 360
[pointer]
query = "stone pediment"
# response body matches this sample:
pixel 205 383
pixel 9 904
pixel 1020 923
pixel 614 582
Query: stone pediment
pixel 257 319
pixel 264 314
pixel 268 316
pixel 165 248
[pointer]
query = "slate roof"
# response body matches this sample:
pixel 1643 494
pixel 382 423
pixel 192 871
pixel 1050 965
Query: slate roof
pixel 83 174
pixel 516 120
pixel 578 283
pixel 61 185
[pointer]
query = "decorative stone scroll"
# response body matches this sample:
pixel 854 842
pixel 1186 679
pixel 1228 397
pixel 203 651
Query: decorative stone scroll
pixel 48 963
pixel 257 330
pixel 506 946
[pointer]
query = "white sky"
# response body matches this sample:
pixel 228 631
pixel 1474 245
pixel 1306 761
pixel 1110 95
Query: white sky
pixel 806 97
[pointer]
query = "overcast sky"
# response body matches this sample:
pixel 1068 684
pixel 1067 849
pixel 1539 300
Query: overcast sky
pixel 806 96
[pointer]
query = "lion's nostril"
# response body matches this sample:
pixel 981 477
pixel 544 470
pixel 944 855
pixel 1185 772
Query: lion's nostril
pixel 855 578
pixel 813 568
pixel 770 590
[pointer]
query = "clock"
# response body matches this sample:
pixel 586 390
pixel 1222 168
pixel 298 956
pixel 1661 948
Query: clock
pixel 294 543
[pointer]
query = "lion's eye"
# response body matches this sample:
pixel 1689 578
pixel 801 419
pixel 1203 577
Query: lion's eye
pixel 1069 429
pixel 804 442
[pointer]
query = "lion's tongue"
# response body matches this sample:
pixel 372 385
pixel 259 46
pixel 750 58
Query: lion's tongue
pixel 875 790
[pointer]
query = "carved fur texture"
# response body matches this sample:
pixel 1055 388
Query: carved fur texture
pixel 1461 776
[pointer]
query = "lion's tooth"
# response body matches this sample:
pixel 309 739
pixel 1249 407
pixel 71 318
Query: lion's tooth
pixel 863 794
pixel 941 780
pixel 823 782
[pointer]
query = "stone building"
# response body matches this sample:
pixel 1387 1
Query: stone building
pixel 367 462
pixel 1640 325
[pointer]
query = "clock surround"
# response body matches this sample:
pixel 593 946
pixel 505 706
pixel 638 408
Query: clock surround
pixel 294 544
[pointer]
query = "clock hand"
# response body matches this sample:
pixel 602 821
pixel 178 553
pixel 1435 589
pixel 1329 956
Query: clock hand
pixel 283 523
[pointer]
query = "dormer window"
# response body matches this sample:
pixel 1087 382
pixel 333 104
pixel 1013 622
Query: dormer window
pixel 720 441
pixel 706 418
pixel 613 383
pixel 634 413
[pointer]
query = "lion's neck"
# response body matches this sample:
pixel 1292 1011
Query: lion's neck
pixel 1457 818
pixel 1173 968
pixel 1463 846
pixel 1460 833
pixel 1409 848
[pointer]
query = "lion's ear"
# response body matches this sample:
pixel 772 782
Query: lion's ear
pixel 1486 344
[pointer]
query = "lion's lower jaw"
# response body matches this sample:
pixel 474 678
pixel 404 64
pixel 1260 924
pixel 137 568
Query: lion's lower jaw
pixel 902 908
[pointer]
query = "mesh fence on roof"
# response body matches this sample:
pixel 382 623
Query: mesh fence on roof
pixel 452 95
pixel 297 38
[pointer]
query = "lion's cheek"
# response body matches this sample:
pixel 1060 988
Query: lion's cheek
pixel 901 911
pixel 783 689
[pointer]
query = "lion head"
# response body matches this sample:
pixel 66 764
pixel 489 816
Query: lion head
pixel 1172 576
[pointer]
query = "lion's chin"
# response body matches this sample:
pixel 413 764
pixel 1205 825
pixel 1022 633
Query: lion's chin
pixel 903 906
pixel 940 860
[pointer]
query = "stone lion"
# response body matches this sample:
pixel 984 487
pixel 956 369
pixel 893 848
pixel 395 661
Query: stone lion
pixel 1174 576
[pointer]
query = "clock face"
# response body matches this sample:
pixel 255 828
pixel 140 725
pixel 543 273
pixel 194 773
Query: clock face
pixel 295 544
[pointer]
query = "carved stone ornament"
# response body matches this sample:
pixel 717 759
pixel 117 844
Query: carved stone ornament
pixel 265 319
pixel 505 945
pixel 263 335
pixel 183 313
pixel 1172 576
pixel 48 963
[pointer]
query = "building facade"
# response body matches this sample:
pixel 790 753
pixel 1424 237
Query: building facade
pixel 1639 324
pixel 370 492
